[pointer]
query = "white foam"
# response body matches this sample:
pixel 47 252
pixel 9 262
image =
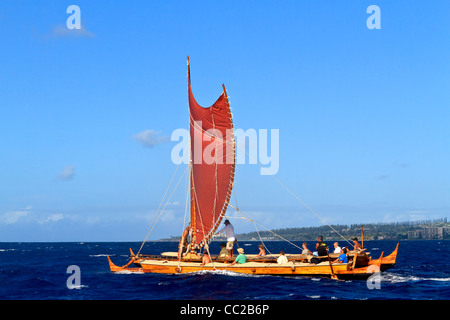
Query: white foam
pixel 78 287
pixel 128 272
pixel 223 272
pixel 395 278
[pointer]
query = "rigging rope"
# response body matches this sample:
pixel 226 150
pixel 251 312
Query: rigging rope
pixel 256 228
pixel 206 246
pixel 284 186
pixel 308 207
pixel 245 217
pixel 185 215
pixel 157 216
pixel 301 201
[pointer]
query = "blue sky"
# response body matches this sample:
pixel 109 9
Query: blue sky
pixel 363 115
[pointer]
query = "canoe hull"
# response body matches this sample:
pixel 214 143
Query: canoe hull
pixel 254 268
pixel 350 270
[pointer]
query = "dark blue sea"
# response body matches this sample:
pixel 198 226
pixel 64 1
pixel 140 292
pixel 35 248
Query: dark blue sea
pixel 39 271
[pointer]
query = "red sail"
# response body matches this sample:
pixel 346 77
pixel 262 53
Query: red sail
pixel 212 160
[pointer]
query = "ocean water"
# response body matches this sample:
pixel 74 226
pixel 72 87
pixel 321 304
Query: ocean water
pixel 39 271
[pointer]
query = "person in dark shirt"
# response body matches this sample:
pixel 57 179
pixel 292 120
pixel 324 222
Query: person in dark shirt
pixel 321 247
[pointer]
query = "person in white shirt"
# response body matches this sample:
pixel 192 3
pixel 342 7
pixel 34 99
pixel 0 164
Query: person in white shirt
pixel 337 249
pixel 282 258
pixel 231 238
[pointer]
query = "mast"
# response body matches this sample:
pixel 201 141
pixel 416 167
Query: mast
pixel 193 220
pixel 362 237
pixel 191 182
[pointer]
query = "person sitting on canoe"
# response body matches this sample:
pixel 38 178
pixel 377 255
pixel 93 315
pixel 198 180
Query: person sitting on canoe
pixel 356 245
pixel 223 250
pixel 262 251
pixel 229 232
pixel 337 249
pixel 206 258
pixel 282 258
pixel 241 258
pixel 305 249
pixel 321 247
pixel 342 258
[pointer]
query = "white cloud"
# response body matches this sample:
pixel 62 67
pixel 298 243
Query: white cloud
pixel 52 218
pixel 61 31
pixel 67 174
pixel 150 138
pixel 13 216
pixel 92 220
pixel 167 216
pixel 413 215
pixel 29 216
pixel 417 211
pixel 26 215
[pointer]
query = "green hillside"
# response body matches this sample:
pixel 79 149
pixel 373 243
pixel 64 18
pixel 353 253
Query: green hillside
pixel 372 231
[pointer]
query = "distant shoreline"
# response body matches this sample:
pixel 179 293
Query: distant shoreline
pixel 438 229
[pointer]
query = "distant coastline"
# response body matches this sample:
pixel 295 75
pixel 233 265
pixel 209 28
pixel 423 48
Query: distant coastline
pixel 425 230
pixel 438 229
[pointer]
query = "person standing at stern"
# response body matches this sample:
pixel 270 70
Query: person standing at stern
pixel 231 238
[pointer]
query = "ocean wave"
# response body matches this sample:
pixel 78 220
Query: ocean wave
pixel 395 278
pixel 128 272
pixel 79 287
pixel 223 272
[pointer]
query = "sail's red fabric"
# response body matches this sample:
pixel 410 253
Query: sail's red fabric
pixel 212 155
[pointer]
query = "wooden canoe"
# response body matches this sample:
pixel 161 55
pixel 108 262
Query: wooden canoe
pixel 255 268
pixel 291 268
pixel 362 259
pixel 351 270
